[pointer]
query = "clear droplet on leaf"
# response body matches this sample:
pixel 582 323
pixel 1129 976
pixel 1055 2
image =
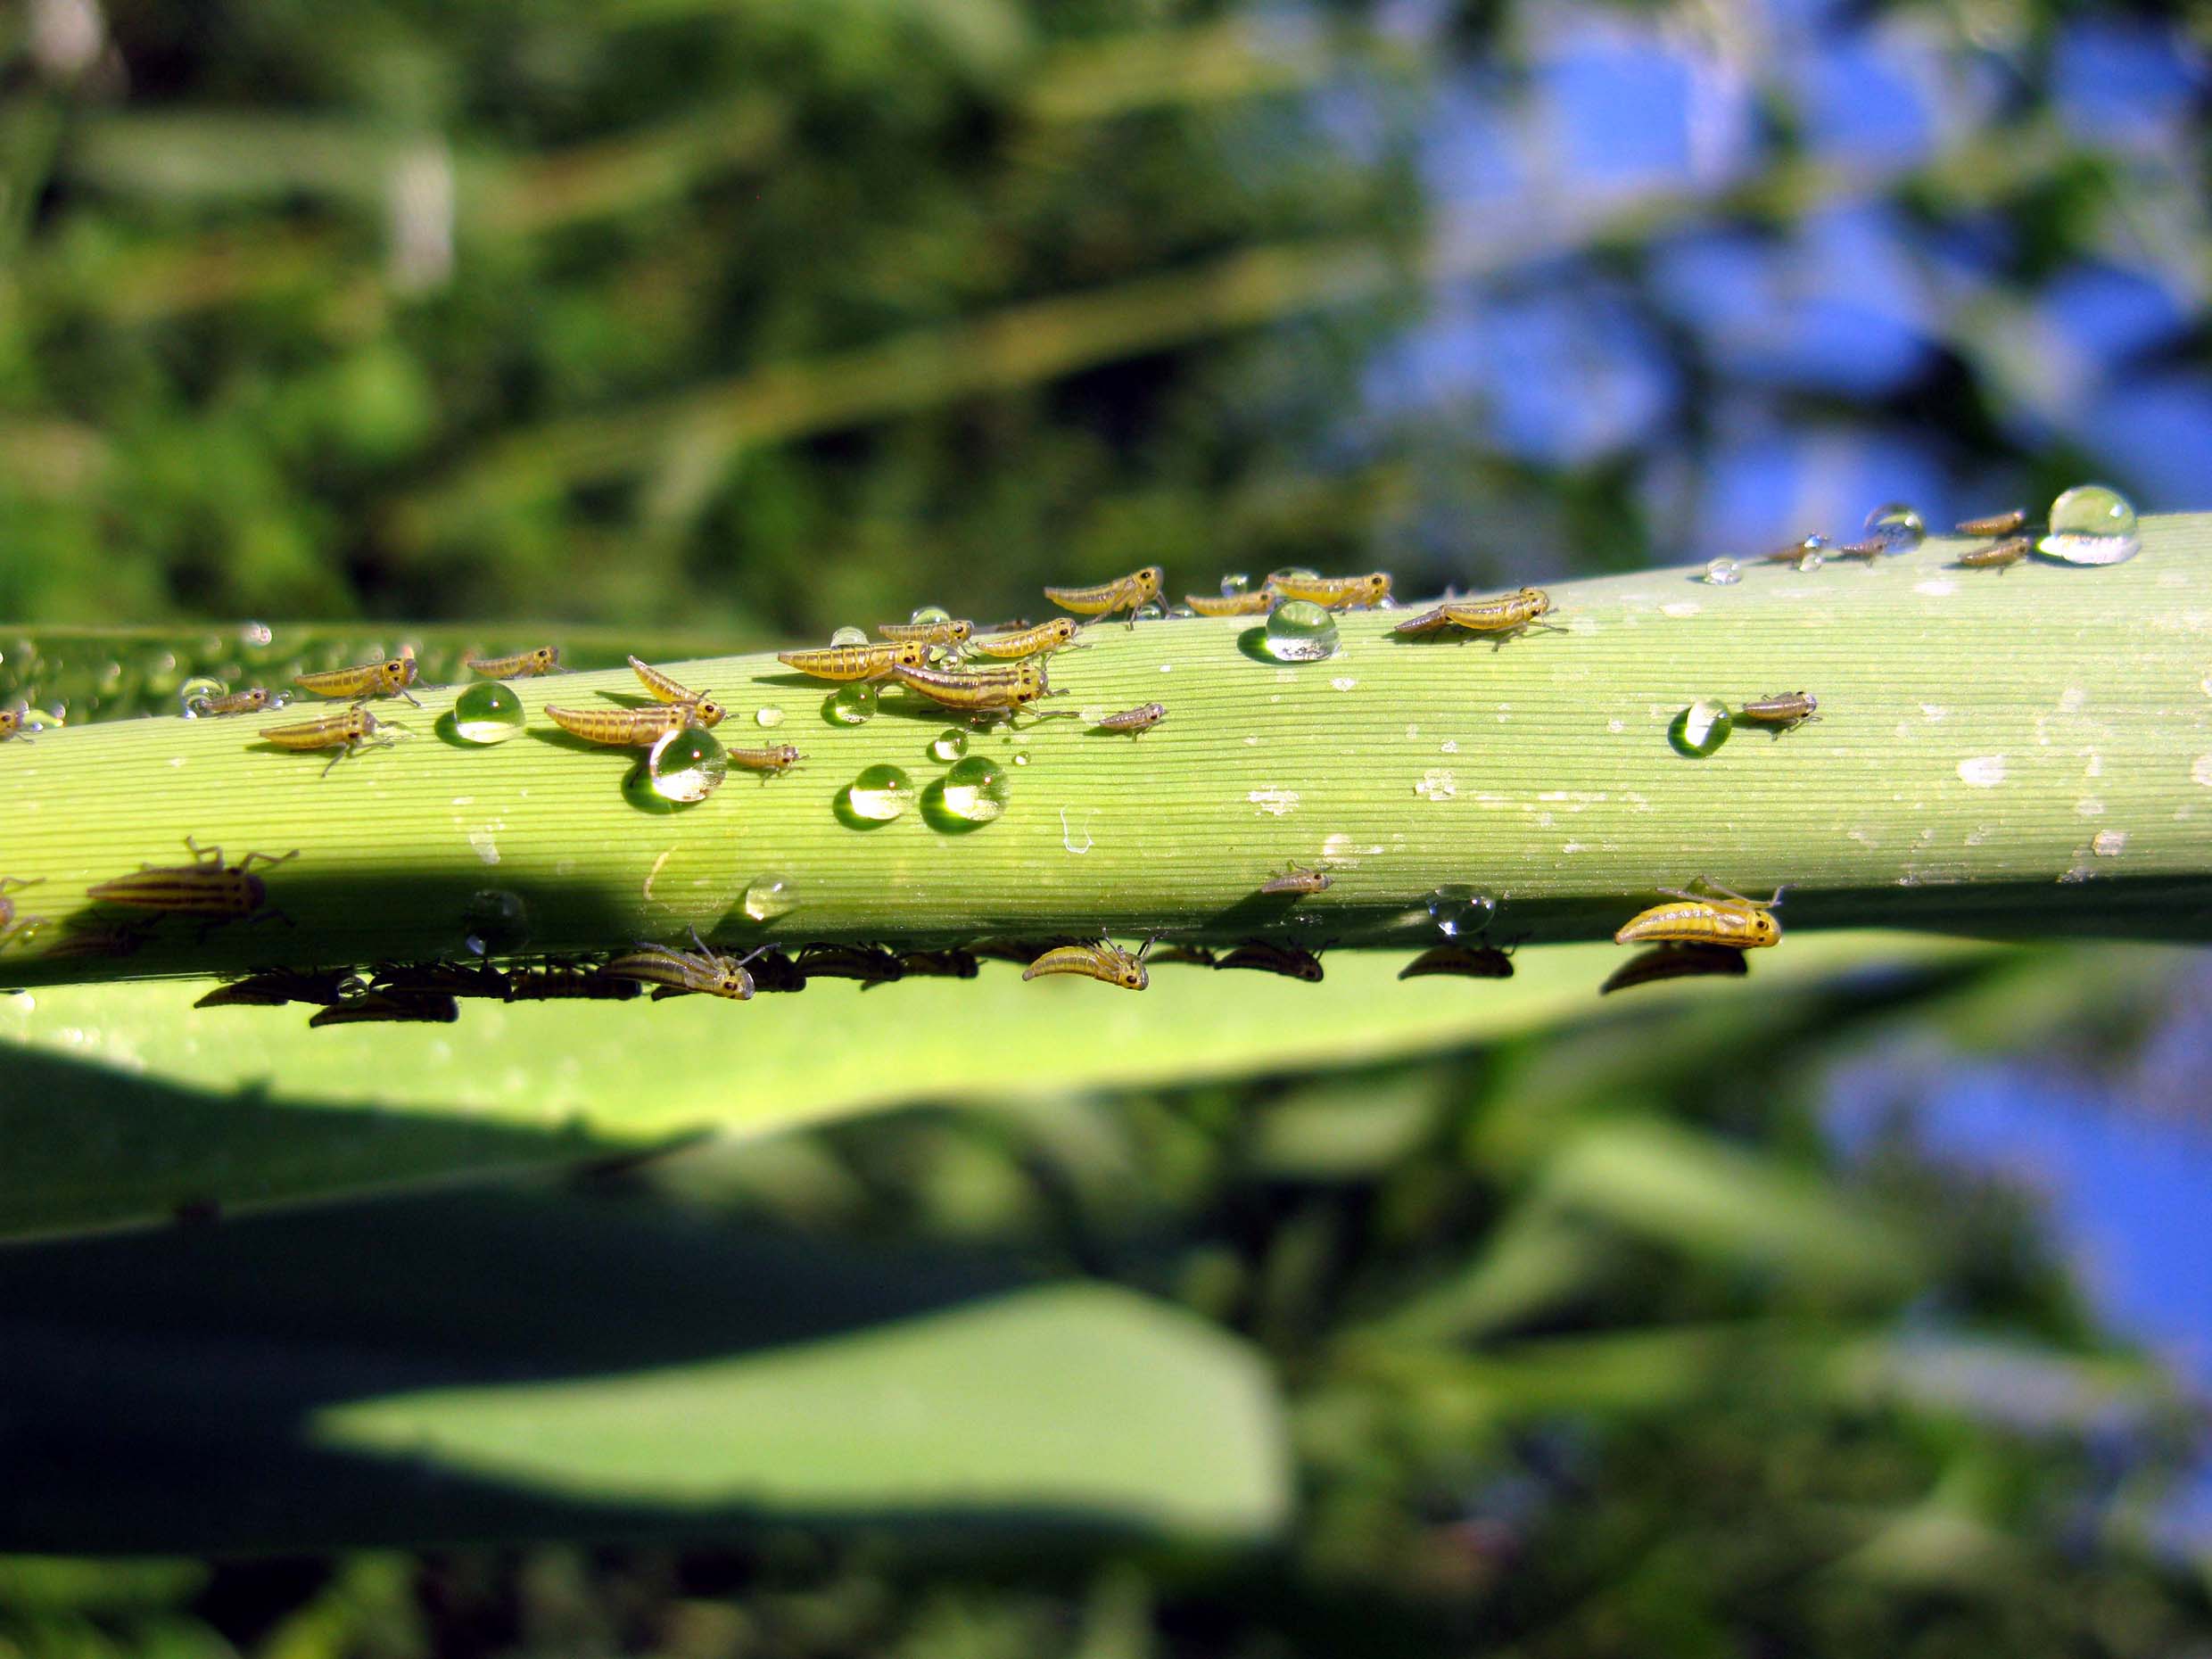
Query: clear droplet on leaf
pixel 767 897
pixel 488 712
pixel 971 795
pixel 1701 727
pixel 686 765
pixel 1723 573
pixel 2091 525
pixel 1299 631
pixel 768 714
pixel 949 744
pixel 879 794
pixel 1897 525
pixel 1461 912
pixel 195 691
pixel 495 922
pixel 850 705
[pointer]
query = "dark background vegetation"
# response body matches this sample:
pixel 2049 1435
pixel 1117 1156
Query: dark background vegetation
pixel 759 316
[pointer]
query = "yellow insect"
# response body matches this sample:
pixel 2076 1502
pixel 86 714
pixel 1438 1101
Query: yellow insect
pixel 378 1008
pixel 1291 961
pixel 207 886
pixel 1136 722
pixel 1105 962
pixel 772 762
pixel 1675 962
pixel 674 972
pixel 857 662
pixel 1468 962
pixel 663 687
pixel 945 633
pixel 11 928
pixel 634 728
pixel 1252 604
pixel 1499 619
pixel 1997 556
pixel 522 665
pixel 348 733
pixel 994 691
pixel 1730 920
pixel 1298 882
pixel 253 700
pixel 390 678
pixel 1782 711
pixel 1128 594
pixel 1046 636
pixel 2008 523
pixel 1334 593
pixel 274 987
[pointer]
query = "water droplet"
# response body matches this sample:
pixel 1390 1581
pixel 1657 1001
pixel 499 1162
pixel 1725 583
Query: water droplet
pixel 1236 583
pixel 849 636
pixel 159 669
pixel 1150 610
pixel 880 794
pixel 1723 573
pixel 768 714
pixel 931 614
pixel 971 795
pixel 1294 572
pixel 850 705
pixel 949 744
pixel 196 690
pixel 1021 760
pixel 1701 727
pixel 1461 912
pixel 488 712
pixel 1898 525
pixel 2091 525
pixel 495 923
pixel 767 897
pixel 686 765
pixel 255 635
pixel 1299 631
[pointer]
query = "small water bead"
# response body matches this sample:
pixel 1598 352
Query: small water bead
pixel 1299 631
pixel 880 794
pixel 949 744
pixel 1236 584
pixel 1723 573
pixel 974 792
pixel 255 635
pixel 495 922
pixel 931 614
pixel 1812 553
pixel 1701 727
pixel 686 765
pixel 488 712
pixel 768 714
pixel 2091 525
pixel 767 897
pixel 850 705
pixel 195 691
pixel 849 636
pixel 1294 572
pixel 1897 525
pixel 1021 760
pixel 1460 912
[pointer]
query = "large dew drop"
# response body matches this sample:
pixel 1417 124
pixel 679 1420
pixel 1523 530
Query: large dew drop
pixel 1701 727
pixel 1897 526
pixel 879 794
pixel 1461 912
pixel 971 795
pixel 931 614
pixel 767 897
pixel 849 636
pixel 495 923
pixel 488 712
pixel 686 765
pixel 1299 631
pixel 850 705
pixel 949 744
pixel 2091 525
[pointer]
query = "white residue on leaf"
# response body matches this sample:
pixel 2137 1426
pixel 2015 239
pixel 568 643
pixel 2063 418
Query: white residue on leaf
pixel 1344 683
pixel 1937 588
pixel 2202 771
pixel 2110 842
pixel 1341 849
pixel 484 840
pixel 1436 784
pixel 1068 833
pixel 1680 607
pixel 1981 771
pixel 1274 802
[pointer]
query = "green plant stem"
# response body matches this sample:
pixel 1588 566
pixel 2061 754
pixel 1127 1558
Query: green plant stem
pixel 2002 754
